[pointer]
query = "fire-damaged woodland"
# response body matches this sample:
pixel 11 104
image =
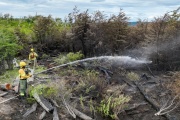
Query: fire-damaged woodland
pixel 91 67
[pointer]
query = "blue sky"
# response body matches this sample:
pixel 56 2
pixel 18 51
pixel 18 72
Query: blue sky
pixel 135 9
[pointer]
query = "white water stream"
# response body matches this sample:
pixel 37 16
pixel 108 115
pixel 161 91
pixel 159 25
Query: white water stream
pixel 120 60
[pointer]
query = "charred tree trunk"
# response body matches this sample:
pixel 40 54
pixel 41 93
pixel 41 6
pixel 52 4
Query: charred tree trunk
pixel 2 66
pixel 9 61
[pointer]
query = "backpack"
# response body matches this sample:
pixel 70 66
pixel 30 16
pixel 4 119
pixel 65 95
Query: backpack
pixel 32 55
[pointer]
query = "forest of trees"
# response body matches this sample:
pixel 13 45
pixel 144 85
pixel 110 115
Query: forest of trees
pixel 93 35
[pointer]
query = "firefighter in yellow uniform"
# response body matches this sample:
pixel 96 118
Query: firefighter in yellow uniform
pixel 23 74
pixel 33 58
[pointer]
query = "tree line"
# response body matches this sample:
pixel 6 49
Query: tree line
pixel 93 34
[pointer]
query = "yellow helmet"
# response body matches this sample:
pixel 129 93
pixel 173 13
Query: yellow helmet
pixel 22 64
pixel 32 49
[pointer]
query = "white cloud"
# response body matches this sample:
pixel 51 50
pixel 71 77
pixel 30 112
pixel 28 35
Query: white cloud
pixel 144 9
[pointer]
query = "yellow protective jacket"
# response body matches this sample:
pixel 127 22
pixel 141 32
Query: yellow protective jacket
pixel 33 55
pixel 23 75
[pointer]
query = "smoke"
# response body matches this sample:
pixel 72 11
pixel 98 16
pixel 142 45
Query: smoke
pixel 152 48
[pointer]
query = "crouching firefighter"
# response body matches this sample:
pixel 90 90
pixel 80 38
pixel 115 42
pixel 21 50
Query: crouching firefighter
pixel 23 74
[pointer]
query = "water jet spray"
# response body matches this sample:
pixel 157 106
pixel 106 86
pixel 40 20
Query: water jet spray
pixel 120 60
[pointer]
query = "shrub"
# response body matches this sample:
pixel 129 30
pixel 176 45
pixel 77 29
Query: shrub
pixel 110 106
pixel 74 56
pixel 62 59
pixel 45 56
pixel 132 76
pixel 46 90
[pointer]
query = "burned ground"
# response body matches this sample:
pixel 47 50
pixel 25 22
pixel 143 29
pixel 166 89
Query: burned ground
pixel 148 94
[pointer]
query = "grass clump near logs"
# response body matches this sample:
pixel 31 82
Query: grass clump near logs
pixel 111 106
pixel 113 102
pixel 46 90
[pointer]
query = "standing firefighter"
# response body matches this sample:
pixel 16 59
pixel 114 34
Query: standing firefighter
pixel 23 74
pixel 33 58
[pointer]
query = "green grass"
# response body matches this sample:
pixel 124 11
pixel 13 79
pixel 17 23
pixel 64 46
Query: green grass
pixel 9 76
pixel 39 69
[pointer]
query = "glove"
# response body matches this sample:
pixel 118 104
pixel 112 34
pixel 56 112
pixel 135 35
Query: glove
pixel 27 71
pixel 30 75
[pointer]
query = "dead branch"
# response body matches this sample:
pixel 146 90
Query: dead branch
pixel 166 108
pixel 104 69
pixel 43 114
pixel 80 114
pixel 106 72
pixel 68 108
pixel 55 114
pixel 55 103
pixel 32 109
pixel 3 94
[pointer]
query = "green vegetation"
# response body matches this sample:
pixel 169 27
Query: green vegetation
pixel 111 106
pixel 46 89
pixel 85 35
pixel 93 34
pixel 9 76
pixel 132 76
pixel 69 57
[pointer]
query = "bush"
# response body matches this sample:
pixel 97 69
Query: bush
pixel 45 56
pixel 46 90
pixel 111 105
pixel 74 56
pixel 62 59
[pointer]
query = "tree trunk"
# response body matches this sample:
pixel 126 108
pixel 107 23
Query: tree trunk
pixel 9 61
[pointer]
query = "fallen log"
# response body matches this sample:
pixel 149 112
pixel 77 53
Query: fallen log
pixel 55 114
pixel 43 114
pixel 32 109
pixel 128 82
pixel 43 102
pixel 80 114
pixel 3 94
pixel 153 103
pixel 134 106
pixel 9 99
